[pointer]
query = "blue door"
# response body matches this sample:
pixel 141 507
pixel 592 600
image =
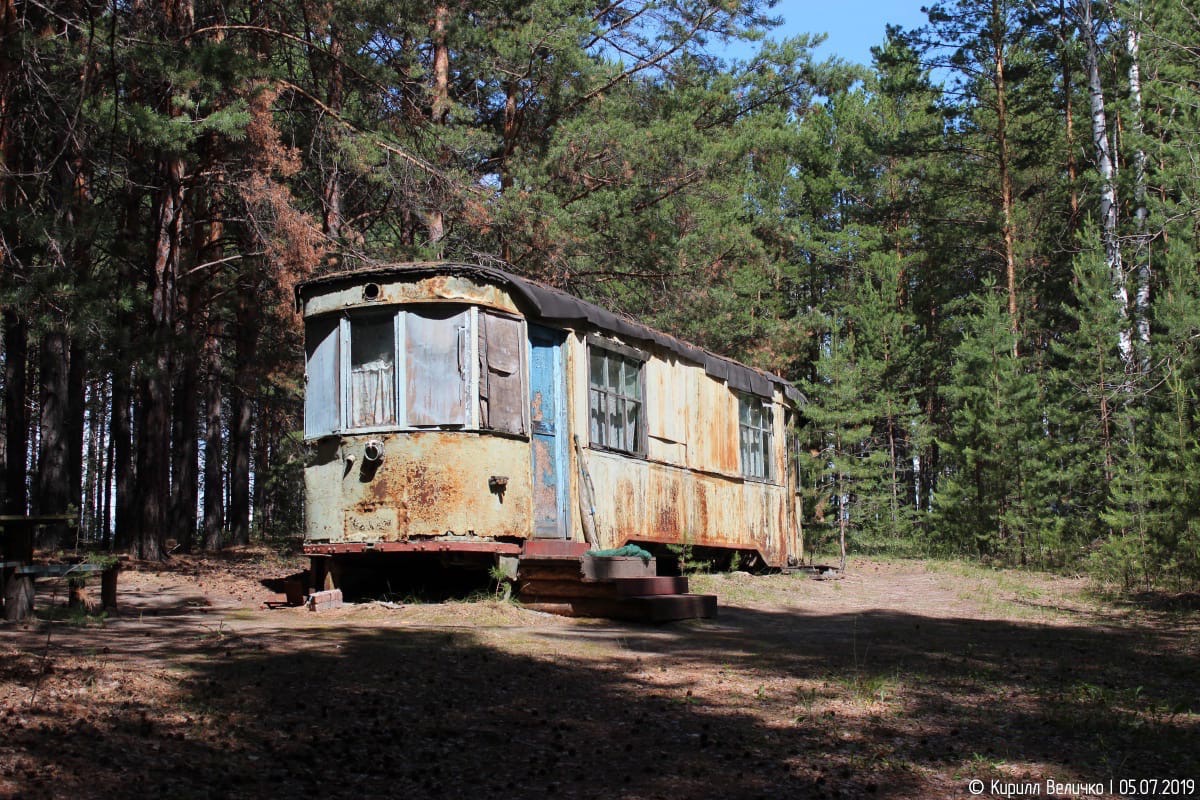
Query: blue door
pixel 547 412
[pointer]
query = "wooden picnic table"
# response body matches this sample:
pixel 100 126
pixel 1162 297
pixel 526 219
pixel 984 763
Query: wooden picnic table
pixel 17 570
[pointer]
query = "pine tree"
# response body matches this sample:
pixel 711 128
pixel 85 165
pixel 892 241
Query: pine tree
pixel 994 500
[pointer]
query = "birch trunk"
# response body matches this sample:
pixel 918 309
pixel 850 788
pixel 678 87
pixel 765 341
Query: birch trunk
pixel 1107 171
pixel 1141 270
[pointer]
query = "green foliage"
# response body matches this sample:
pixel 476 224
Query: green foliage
pixel 994 503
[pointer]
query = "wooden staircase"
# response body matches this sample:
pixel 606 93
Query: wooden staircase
pixel 558 577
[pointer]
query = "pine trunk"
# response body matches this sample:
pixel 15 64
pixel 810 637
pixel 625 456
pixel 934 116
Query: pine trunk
pixel 52 491
pixel 185 456
pixel 1006 187
pixel 122 438
pixel 333 219
pixel 440 111
pixel 262 464
pixel 214 474
pixel 16 417
pixel 76 410
pixel 242 412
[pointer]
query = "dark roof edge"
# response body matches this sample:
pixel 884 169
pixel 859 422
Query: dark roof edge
pixel 553 305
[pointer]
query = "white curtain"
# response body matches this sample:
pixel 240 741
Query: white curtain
pixel 373 394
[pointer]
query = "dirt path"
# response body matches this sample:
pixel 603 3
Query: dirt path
pixel 905 680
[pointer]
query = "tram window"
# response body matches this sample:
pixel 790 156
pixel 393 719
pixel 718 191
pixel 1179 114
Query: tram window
pixel 615 405
pixel 755 421
pixel 501 393
pixel 322 407
pixel 372 371
pixel 436 363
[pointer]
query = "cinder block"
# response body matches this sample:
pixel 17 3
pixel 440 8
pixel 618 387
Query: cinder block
pixel 325 601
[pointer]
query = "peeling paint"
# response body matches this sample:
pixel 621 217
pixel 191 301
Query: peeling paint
pixel 427 483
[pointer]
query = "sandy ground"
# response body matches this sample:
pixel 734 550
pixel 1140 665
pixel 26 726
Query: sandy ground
pixel 904 680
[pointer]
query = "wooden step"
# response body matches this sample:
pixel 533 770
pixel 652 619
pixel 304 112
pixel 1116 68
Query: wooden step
pixel 554 547
pixel 548 568
pixel 642 587
pixel 607 568
pixel 543 589
pixel 542 586
pixel 671 607
pixel 656 608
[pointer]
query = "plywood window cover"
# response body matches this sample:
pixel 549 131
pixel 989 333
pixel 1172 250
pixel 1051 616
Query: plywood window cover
pixel 440 409
pixel 511 372
pixel 322 368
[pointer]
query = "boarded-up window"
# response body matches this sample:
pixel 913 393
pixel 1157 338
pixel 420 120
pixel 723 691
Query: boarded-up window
pixel 667 385
pixel 372 371
pixel 322 414
pixel 501 394
pixel 436 364
pixel 755 423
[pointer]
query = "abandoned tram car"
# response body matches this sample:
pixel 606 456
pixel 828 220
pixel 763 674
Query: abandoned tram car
pixel 465 411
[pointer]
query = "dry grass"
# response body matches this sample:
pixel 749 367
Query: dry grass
pixel 905 680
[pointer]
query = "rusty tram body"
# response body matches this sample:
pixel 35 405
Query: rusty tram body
pixel 464 411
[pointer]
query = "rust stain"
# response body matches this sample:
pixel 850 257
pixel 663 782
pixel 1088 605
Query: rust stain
pixel 535 407
pixel 430 483
pixel 664 492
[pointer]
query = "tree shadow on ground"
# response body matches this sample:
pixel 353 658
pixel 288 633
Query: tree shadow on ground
pixel 754 704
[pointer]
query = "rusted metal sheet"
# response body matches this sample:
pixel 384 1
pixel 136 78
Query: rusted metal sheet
pixel 427 483
pixel 419 546
pixel 666 382
pixel 323 507
pixel 715 409
pixel 644 501
pixel 442 288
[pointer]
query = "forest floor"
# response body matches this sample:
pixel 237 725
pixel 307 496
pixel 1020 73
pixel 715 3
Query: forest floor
pixel 905 679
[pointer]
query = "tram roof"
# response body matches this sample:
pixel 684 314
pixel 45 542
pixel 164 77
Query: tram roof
pixel 543 303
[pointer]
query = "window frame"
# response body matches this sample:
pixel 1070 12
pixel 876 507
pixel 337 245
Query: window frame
pixel 399 314
pixel 399 369
pixel 627 355
pixel 763 432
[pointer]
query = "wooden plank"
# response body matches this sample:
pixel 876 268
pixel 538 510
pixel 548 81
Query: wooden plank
pixel 435 369
pixel 58 570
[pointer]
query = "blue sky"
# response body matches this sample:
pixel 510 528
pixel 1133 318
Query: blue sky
pixel 853 26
